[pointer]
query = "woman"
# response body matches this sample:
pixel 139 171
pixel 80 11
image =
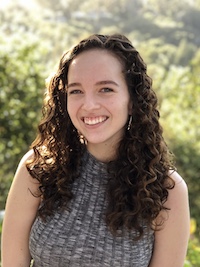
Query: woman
pixel 98 187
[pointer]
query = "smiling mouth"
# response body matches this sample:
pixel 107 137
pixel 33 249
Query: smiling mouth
pixel 95 120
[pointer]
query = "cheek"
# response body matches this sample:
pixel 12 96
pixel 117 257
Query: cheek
pixel 73 109
pixel 125 106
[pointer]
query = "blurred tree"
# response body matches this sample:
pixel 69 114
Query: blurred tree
pixel 150 18
pixel 53 30
pixel 170 8
pixel 191 22
pixel 22 86
pixel 184 53
pixel 179 92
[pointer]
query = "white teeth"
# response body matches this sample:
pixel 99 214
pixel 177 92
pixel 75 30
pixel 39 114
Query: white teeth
pixel 93 121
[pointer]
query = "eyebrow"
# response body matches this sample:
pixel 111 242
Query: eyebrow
pixel 98 83
pixel 73 85
pixel 107 82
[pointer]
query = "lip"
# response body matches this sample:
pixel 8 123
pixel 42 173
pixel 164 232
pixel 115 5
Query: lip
pixel 94 120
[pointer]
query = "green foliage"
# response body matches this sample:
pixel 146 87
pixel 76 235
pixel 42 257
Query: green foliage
pixel 0 240
pixel 193 254
pixel 179 91
pixel 22 89
pixel 188 166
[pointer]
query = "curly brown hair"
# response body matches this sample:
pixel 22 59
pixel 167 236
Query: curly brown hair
pixel 139 176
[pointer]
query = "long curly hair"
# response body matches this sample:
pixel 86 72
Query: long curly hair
pixel 139 176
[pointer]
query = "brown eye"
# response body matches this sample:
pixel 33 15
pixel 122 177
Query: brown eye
pixel 105 90
pixel 75 92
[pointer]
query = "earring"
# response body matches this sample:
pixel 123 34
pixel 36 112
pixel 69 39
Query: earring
pixel 129 123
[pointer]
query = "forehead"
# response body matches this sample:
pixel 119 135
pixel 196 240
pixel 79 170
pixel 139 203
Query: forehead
pixel 94 61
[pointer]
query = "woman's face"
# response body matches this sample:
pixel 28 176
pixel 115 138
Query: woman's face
pixel 98 98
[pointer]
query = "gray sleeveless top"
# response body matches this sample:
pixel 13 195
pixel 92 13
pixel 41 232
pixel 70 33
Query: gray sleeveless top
pixel 80 237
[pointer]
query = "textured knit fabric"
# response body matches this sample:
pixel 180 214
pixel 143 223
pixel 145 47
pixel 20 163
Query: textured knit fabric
pixel 80 237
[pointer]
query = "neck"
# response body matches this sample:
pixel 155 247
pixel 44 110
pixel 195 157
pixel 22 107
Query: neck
pixel 103 153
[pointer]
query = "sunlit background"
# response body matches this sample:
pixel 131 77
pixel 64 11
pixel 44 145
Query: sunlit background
pixel 35 33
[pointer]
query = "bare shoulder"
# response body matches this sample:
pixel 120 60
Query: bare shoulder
pixel 23 186
pixel 177 202
pixel 22 173
pixel 171 241
pixel 176 177
pixel 180 189
pixel 28 156
pixel 22 203
pixel 20 213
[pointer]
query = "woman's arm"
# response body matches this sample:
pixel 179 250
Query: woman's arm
pixel 20 212
pixel 171 241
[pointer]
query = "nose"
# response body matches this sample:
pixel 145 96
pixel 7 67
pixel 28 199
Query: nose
pixel 90 102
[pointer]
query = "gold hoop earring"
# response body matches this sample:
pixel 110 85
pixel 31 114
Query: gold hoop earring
pixel 129 123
